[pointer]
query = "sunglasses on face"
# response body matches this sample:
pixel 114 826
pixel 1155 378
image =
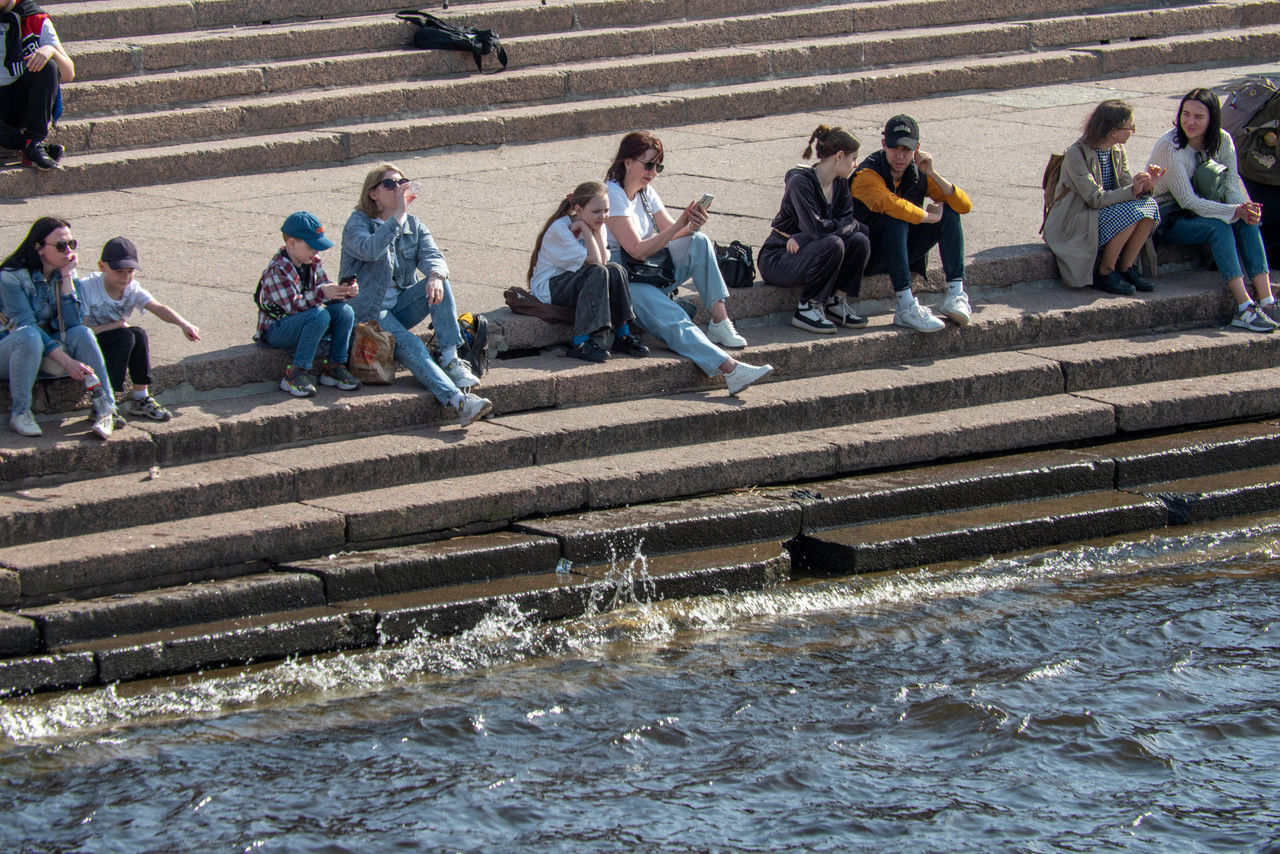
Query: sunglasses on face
pixel 63 246
pixel 651 166
pixel 392 183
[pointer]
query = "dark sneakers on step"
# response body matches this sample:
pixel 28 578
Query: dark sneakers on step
pixel 588 351
pixel 1139 281
pixel 1112 284
pixel 1255 321
pixel 629 345
pixel 35 154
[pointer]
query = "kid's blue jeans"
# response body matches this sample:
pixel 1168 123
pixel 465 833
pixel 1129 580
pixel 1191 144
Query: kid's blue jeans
pixel 303 332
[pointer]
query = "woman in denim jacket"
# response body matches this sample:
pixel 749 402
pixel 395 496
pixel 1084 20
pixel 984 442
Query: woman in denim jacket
pixel 45 262
pixel 384 247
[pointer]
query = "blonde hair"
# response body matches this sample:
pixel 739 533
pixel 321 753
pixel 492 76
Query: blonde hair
pixel 831 141
pixel 365 204
pixel 581 196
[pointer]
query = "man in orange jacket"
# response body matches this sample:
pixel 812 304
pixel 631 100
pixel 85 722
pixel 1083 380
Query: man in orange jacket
pixel 889 190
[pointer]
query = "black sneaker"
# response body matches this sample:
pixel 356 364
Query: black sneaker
pixel 55 151
pixel 1139 281
pixel 629 345
pixel 35 154
pixel 1113 284
pixel 588 351
pixel 810 317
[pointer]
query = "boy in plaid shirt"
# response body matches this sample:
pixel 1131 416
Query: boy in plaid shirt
pixel 298 306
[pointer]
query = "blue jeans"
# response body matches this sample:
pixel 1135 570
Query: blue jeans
pixel 1237 247
pixel 897 247
pixel 20 354
pixel 660 316
pixel 302 333
pixel 411 309
pixel 82 345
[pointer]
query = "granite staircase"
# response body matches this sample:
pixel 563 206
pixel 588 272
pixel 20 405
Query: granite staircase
pixel 171 90
pixel 258 526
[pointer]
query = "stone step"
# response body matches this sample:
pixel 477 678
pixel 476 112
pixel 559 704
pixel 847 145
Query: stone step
pixel 967 534
pixel 572 64
pixel 1232 493
pixel 642 553
pixel 345 142
pixel 253 424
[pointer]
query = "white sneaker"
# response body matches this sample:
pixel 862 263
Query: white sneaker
pixel 472 408
pixel 744 375
pixel 956 309
pixel 460 372
pixel 917 317
pixel 103 424
pixel 725 335
pixel 24 424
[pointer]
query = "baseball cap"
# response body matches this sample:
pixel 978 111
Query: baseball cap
pixel 901 130
pixel 119 253
pixel 304 226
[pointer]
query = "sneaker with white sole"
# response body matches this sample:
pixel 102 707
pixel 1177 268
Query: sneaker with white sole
pixel 917 317
pixel 460 372
pixel 722 332
pixel 104 424
pixel 810 317
pixel 956 309
pixel 839 310
pixel 472 408
pixel 744 375
pixel 149 407
pixel 335 374
pixel 1272 312
pixel 1255 321
pixel 24 424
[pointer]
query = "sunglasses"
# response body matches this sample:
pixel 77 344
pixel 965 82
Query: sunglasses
pixel 651 166
pixel 63 246
pixel 391 183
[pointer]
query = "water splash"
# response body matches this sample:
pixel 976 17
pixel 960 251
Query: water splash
pixel 621 610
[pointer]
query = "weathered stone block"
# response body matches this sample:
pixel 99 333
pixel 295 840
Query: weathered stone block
pixel 46 672
pixel 18 635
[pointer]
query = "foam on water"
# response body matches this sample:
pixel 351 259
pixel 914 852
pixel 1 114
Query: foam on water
pixel 623 612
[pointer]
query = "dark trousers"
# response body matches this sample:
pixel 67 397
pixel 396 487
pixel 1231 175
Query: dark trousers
pixel 598 294
pixel 1269 196
pixel 28 106
pixel 898 247
pixel 126 347
pixel 832 263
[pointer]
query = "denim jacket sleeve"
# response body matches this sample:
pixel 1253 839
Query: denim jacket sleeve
pixel 430 258
pixel 366 242
pixel 15 292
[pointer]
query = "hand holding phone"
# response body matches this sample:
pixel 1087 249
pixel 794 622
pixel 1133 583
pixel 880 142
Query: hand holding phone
pixel 705 202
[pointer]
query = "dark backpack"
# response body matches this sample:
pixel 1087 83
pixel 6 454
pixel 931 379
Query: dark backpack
pixel 1252 116
pixel 435 34
pixel 1049 183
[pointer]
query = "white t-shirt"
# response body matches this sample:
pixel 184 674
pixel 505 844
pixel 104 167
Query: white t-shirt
pixel 562 251
pixel 620 205
pixel 100 308
pixel 32 38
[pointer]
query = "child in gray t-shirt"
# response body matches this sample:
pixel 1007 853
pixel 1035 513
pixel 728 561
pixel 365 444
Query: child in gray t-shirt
pixel 108 298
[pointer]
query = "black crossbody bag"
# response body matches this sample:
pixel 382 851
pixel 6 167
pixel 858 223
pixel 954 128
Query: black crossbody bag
pixel 659 269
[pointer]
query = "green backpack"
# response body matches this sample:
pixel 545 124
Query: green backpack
pixel 1252 116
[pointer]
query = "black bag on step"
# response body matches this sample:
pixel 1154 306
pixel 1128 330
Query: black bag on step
pixel 435 34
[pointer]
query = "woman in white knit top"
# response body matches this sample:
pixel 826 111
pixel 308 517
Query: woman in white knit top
pixel 1229 227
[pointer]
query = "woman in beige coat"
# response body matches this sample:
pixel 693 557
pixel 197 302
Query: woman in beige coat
pixel 1103 215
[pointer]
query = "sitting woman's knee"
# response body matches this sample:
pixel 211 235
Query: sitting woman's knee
pixel 27 338
pixel 79 336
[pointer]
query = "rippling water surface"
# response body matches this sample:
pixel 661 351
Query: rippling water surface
pixel 1111 697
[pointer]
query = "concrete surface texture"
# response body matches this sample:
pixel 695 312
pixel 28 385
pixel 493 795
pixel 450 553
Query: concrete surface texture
pixel 204 243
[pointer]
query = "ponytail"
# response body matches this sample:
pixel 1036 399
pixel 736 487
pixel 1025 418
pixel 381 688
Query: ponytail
pixel 830 141
pixel 580 196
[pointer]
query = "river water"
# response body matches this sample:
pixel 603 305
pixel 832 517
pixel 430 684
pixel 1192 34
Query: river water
pixel 1121 695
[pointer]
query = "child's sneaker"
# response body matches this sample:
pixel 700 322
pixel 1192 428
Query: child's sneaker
pixel 460 372
pixel 472 408
pixel 297 382
pixel 149 407
pixel 337 375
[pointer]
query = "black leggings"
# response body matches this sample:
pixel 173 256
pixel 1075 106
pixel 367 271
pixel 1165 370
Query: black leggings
pixel 126 347
pixel 28 106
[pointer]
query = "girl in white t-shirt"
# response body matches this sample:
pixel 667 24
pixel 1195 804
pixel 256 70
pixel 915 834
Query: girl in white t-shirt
pixel 108 298
pixel 570 266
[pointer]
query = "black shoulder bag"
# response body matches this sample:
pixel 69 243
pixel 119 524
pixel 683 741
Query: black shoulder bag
pixel 435 34
pixel 659 269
